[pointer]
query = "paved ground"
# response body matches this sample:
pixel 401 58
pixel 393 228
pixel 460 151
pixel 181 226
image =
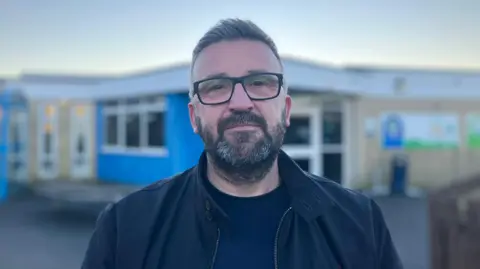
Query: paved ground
pixel 408 222
pixel 82 192
pixel 33 236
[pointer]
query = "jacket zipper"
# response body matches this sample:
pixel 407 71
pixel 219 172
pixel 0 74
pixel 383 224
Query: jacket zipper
pixel 216 249
pixel 277 235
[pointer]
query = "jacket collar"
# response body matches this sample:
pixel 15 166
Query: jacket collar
pixel 309 199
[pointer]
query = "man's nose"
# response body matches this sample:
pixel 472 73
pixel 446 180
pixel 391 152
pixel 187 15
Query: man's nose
pixel 240 99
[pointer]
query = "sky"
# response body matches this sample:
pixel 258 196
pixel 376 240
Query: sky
pixel 120 36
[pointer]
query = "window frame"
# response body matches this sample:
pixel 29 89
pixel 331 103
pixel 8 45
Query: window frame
pixel 121 109
pixel 110 111
pixel 311 151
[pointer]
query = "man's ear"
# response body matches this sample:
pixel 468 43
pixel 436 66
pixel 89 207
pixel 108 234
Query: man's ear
pixel 288 109
pixel 192 115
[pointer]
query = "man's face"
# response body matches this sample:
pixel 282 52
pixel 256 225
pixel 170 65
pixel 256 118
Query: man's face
pixel 240 134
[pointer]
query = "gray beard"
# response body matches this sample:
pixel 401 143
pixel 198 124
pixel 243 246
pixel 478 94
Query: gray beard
pixel 243 162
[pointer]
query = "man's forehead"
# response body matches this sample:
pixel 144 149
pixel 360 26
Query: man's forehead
pixel 235 58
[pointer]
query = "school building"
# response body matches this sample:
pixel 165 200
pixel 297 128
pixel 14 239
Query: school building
pixel 347 123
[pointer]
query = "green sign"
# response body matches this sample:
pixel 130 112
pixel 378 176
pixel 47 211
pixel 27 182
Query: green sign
pixel 417 131
pixel 473 130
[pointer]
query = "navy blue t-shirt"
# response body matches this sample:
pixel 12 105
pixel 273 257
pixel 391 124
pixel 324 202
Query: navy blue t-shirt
pixel 247 240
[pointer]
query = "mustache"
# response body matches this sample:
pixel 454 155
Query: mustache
pixel 241 117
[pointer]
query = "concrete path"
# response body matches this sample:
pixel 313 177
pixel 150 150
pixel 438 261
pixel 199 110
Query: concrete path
pixel 82 192
pixel 407 219
pixel 35 235
pixel 32 236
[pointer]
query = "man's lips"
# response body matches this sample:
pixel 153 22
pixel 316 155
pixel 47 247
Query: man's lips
pixel 242 126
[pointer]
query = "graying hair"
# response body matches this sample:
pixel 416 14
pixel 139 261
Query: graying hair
pixel 231 30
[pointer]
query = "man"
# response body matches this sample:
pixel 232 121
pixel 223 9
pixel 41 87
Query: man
pixel 246 204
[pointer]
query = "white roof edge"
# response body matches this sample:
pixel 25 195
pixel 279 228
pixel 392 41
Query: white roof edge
pixel 301 74
pixel 54 91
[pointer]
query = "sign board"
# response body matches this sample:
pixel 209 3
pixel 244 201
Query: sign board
pixel 420 131
pixel 473 130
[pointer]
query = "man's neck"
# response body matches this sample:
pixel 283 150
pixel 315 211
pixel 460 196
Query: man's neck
pixel 270 182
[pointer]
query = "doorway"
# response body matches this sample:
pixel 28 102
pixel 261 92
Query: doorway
pixel 301 140
pixel 316 139
pixel 333 144
pixel 81 142
pixel 47 142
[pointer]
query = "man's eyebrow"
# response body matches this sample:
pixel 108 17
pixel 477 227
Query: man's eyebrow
pixel 217 75
pixel 256 71
pixel 223 74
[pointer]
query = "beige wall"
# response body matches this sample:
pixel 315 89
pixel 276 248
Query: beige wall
pixel 428 168
pixel 64 122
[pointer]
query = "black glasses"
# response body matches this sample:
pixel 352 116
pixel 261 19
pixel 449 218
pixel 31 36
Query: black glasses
pixel 259 87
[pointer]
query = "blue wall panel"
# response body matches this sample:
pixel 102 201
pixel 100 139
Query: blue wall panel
pixel 8 102
pixel 4 123
pixel 131 169
pixel 183 146
pixel 127 168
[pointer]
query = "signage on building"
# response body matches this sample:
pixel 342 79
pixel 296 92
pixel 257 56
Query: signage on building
pixel 420 131
pixel 473 130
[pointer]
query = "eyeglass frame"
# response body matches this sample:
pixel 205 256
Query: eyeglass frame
pixel 235 81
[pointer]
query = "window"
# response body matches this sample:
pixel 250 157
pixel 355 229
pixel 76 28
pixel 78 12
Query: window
pixel 111 124
pixel 332 166
pixel 135 125
pixel 156 136
pixel 111 130
pixel 298 133
pixel 304 164
pixel 133 130
pixel 332 127
pixel 301 140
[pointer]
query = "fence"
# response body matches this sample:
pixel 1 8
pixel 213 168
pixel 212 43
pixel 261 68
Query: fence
pixel 455 225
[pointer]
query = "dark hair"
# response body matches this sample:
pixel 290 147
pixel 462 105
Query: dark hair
pixel 230 30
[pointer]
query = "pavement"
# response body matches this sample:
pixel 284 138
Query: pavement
pixel 44 233
pixel 407 219
pixel 35 236
pixel 82 192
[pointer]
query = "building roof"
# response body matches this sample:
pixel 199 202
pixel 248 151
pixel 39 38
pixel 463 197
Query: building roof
pixel 36 86
pixel 63 79
pixel 309 76
pixel 301 75
pixel 50 91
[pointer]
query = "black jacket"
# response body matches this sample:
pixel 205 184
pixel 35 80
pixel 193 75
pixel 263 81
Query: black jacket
pixel 174 224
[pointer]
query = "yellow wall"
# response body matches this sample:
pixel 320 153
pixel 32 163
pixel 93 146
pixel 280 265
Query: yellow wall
pixel 428 168
pixel 64 121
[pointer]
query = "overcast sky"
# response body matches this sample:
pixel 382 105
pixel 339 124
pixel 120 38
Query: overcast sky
pixel 116 36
